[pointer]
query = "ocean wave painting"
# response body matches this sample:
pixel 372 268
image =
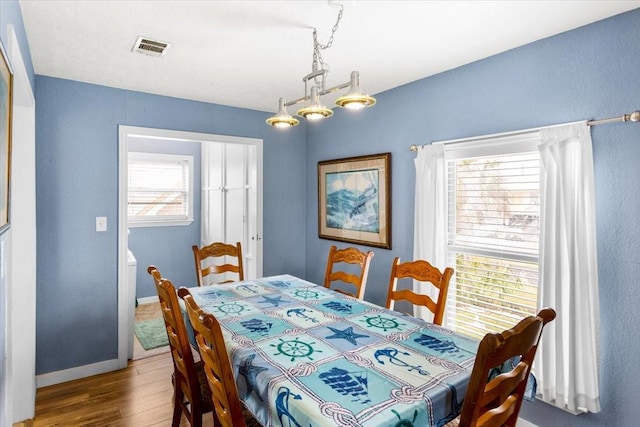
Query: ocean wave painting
pixel 353 200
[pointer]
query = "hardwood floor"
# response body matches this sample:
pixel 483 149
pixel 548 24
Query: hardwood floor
pixel 148 311
pixel 139 395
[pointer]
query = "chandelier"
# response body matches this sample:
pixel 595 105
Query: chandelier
pixel 315 87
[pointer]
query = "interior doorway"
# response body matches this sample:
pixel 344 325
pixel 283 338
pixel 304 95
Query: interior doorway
pixel 249 232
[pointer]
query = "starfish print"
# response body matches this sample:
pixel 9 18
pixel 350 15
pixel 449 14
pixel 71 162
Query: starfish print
pixel 250 374
pixel 347 334
pixel 275 301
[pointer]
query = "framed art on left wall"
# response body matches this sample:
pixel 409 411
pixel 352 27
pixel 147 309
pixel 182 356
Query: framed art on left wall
pixel 354 200
pixel 6 105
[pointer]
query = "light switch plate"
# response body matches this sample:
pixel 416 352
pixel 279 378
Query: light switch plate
pixel 101 223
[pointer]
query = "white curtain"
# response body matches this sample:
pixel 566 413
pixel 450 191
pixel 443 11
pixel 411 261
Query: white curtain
pixel 567 363
pixel 430 231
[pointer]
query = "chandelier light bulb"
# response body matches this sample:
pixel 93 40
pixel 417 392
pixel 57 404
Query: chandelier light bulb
pixel 283 124
pixel 282 119
pixel 313 115
pixel 315 111
pixel 355 99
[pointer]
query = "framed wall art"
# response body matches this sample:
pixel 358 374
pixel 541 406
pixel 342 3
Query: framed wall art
pixel 6 103
pixel 354 200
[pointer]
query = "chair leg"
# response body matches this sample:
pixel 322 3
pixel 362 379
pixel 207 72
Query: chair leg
pixel 177 406
pixel 216 420
pixel 196 415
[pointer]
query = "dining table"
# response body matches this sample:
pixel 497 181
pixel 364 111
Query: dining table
pixel 305 355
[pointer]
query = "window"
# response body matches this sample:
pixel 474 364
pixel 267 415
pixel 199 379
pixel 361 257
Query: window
pixel 160 189
pixel 488 202
pixel 493 233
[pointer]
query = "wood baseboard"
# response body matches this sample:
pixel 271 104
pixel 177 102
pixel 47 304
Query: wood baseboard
pixel 78 372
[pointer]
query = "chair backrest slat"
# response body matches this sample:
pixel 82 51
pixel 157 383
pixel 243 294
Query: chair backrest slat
pixel 358 279
pixel 422 271
pixel 188 394
pixel 217 366
pixel 496 402
pixel 213 260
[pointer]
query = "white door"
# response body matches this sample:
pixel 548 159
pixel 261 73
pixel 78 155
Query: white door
pixel 230 199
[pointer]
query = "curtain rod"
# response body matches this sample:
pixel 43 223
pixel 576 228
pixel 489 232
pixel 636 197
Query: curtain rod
pixel 631 117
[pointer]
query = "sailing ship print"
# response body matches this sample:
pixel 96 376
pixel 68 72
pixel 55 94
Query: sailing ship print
pixel 354 384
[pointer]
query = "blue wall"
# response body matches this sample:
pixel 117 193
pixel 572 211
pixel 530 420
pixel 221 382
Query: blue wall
pixel 591 72
pixel 77 180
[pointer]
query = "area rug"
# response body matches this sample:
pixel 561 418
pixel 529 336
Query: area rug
pixel 151 333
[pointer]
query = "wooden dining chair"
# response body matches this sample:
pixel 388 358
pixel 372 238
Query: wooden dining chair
pixel 228 408
pixel 191 393
pixel 424 272
pixel 357 277
pixel 213 260
pixel 496 402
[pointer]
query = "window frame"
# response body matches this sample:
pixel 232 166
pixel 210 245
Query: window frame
pixel 167 221
pixel 490 146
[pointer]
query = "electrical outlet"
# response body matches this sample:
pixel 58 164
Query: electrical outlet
pixel 101 223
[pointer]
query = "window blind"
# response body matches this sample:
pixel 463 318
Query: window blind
pixel 159 187
pixel 493 233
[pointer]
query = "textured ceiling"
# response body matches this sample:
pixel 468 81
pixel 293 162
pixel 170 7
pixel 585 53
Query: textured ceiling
pixel 250 53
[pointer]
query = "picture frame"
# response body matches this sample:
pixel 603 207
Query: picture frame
pixel 354 200
pixel 6 119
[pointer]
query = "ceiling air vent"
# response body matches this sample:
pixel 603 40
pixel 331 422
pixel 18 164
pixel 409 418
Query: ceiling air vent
pixel 150 47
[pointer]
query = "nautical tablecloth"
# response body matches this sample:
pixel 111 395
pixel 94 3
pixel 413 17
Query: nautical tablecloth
pixel 304 355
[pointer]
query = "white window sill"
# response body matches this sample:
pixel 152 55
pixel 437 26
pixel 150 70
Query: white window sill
pixel 172 223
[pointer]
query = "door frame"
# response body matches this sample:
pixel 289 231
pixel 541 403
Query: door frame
pixel 17 284
pixel 124 132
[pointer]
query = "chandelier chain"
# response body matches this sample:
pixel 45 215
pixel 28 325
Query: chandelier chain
pixel 314 87
pixel 317 56
pixel 333 31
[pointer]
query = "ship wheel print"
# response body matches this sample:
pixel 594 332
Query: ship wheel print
pixel 306 294
pixel 229 309
pixel 295 348
pixel 384 323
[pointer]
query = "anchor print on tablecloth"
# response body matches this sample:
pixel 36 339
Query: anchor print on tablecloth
pixel 391 353
pixel 354 384
pixel 282 406
pixel 248 288
pixel 346 334
pixel 295 348
pixel 274 301
pixel 340 307
pixel 299 312
pixel 403 422
pixel 435 344
pixel 258 326
pixel 250 374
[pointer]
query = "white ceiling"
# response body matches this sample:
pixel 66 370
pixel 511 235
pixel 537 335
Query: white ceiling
pixel 250 53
